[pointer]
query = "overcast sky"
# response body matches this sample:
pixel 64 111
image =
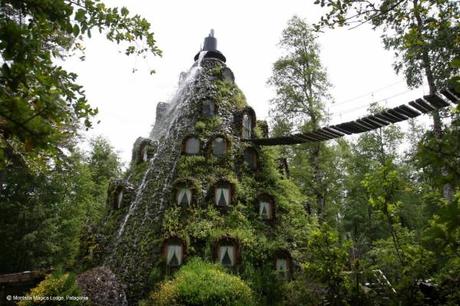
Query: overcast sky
pixel 247 33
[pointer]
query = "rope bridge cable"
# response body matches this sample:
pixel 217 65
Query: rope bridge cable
pixel 403 112
pixel 366 106
pixel 351 100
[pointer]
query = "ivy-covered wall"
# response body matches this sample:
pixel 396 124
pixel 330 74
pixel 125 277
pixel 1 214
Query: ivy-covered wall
pixel 132 236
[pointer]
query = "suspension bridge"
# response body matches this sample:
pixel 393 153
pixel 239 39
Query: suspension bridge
pixel 412 109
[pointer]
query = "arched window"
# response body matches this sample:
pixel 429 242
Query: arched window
pixel 184 196
pixel 223 194
pixel 250 158
pixel 208 108
pixel 247 126
pixel 219 146
pixel 191 146
pixel 173 250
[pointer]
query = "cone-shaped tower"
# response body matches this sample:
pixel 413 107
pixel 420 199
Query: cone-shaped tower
pixel 207 111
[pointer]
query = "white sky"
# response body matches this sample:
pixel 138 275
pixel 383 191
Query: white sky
pixel 247 34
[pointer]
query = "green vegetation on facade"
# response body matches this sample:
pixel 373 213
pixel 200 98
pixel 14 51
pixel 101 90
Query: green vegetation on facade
pixel 363 222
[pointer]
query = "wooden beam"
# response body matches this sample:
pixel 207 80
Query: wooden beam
pixel 305 137
pixel 409 112
pixel 450 95
pixel 396 114
pixel 318 136
pixel 337 128
pixel 374 122
pixel 337 133
pixel 23 277
pixel 345 127
pixel 386 117
pixel 377 120
pixel 325 133
pixel 424 104
pixel 436 101
pixel 353 127
pixel 419 107
pixel 367 124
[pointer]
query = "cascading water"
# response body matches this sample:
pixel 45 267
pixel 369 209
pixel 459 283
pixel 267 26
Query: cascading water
pixel 181 96
pixel 170 122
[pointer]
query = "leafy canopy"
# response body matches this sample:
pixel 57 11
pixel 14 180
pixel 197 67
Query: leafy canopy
pixel 41 105
pixel 424 34
pixel 298 77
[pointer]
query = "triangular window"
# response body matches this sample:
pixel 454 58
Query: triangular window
pixel 265 210
pixel 184 197
pixel 174 255
pixel 227 255
pixel 174 261
pixel 222 196
pixel 226 261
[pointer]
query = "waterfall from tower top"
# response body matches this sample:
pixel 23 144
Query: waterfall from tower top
pixel 162 131
pixel 161 128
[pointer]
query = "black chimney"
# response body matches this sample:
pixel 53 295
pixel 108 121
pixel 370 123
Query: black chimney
pixel 210 45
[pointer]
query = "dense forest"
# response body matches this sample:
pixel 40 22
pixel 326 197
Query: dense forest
pixel 384 206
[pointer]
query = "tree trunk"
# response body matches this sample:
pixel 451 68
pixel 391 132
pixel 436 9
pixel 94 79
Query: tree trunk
pixel 437 124
pixel 427 66
pixel 315 162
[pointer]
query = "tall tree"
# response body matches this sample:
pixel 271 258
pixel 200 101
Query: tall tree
pixel 104 165
pixel 44 213
pixel 302 88
pixel 424 34
pixel 371 152
pixel 41 105
pixel 299 78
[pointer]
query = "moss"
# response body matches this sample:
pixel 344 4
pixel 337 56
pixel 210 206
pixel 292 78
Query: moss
pixel 136 173
pixel 230 94
pixel 200 126
pixel 216 70
pixel 257 132
pixel 137 254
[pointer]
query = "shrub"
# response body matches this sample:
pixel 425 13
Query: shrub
pixel 55 286
pixel 201 283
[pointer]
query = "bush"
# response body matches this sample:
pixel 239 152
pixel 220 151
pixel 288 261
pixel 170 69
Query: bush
pixel 201 283
pixel 55 286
